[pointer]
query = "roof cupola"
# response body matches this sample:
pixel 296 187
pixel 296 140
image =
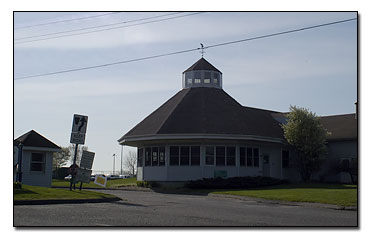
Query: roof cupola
pixel 202 74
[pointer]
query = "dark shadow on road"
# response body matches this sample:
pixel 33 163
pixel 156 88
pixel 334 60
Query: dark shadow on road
pixel 205 192
pixel 128 204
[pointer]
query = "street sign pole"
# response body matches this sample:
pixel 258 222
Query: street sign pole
pixel 73 168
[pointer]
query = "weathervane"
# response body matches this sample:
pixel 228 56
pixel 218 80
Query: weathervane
pixel 202 50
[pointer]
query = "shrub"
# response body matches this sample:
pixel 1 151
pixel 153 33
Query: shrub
pixel 148 184
pixel 234 183
pixel 17 185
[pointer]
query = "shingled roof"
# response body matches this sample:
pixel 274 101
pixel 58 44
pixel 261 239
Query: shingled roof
pixel 32 138
pixel 207 111
pixel 202 64
pixel 341 127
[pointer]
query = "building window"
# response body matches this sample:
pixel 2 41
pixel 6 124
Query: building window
pixel 140 157
pixel 188 77
pixel 209 155
pixel 162 155
pixel 285 158
pixel 148 156
pixel 174 155
pixel 38 162
pixel 242 156
pixel 249 157
pixel 197 77
pixel 231 156
pixel 207 78
pixel 256 157
pixel 155 156
pixel 220 155
pixel 195 155
pixel 184 155
pixel 215 78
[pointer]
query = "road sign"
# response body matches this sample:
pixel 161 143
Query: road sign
pixel 77 138
pixel 83 175
pixel 80 124
pixel 87 159
pixel 100 180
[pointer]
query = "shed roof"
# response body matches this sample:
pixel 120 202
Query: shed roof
pixel 32 138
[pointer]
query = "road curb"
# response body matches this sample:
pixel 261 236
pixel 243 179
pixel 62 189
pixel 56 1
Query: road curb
pixel 280 202
pixel 65 201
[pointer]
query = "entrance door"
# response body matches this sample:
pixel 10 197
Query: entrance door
pixel 266 167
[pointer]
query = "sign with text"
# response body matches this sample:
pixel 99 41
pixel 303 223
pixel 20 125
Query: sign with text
pixel 83 175
pixel 100 180
pixel 79 124
pixel 77 138
pixel 87 159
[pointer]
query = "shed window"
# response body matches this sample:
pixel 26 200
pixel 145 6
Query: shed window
pixel 209 155
pixel 38 162
pixel 174 154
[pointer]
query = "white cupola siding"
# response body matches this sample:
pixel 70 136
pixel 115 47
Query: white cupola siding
pixel 202 74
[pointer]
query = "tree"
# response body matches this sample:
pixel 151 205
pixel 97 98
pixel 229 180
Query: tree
pixel 61 158
pixel 305 133
pixel 130 162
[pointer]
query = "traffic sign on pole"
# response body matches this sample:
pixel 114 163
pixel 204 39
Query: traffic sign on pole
pixel 80 123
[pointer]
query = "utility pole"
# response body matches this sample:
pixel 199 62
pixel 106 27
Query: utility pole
pixel 113 172
pixel 122 149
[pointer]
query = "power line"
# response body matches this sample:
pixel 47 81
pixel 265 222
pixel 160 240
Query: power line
pixel 188 50
pixel 66 20
pixel 94 31
pixel 100 26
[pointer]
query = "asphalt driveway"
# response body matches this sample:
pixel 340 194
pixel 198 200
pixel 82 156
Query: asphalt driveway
pixel 146 209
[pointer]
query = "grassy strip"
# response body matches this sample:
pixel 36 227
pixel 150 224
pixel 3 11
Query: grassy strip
pixel 44 193
pixel 110 183
pixel 337 194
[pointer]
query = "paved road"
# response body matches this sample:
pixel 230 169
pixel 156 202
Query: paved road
pixel 157 209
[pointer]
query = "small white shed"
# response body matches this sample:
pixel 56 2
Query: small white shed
pixel 35 160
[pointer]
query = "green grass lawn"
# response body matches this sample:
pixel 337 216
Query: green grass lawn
pixel 110 183
pixel 338 194
pixel 44 193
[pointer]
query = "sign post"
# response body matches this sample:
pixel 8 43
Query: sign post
pixel 78 130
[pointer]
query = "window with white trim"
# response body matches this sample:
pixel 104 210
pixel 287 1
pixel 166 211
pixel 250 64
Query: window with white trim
pixel 230 155
pixel 148 156
pixel 209 155
pixel 174 155
pixel 140 157
pixel 38 162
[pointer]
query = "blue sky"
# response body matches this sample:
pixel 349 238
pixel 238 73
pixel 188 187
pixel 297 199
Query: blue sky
pixel 316 69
